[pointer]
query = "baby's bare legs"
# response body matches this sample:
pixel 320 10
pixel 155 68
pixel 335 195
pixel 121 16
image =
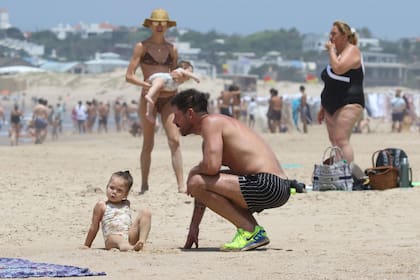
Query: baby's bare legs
pixel 151 97
pixel 139 230
pixel 117 241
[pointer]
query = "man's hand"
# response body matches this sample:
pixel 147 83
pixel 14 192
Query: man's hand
pixel 192 238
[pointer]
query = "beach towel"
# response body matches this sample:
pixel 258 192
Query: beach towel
pixel 21 268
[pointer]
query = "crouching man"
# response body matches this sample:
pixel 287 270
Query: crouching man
pixel 252 182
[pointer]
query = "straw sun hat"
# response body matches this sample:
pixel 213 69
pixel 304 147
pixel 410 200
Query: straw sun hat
pixel 159 15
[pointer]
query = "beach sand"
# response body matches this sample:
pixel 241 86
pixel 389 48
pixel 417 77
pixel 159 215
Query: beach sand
pixel 49 190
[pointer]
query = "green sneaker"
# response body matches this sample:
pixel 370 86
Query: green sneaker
pixel 245 240
pixel 259 238
pixel 261 230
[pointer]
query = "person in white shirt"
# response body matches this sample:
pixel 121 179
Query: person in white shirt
pixel 81 116
pixel 252 108
pixel 398 107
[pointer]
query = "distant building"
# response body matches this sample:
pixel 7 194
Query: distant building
pixel 245 62
pixel 15 45
pixel 64 67
pixel 185 52
pixel 414 70
pixel 370 43
pixel 314 42
pixel 13 61
pixel 62 30
pixel 383 69
pixel 83 29
pixel 105 62
pixel 204 68
pixel 4 19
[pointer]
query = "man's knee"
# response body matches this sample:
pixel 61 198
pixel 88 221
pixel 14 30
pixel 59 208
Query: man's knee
pixel 195 184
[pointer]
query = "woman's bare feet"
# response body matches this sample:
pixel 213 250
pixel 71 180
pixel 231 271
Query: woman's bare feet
pixel 144 188
pixel 138 246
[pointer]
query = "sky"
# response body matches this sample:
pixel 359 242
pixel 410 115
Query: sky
pixel 386 19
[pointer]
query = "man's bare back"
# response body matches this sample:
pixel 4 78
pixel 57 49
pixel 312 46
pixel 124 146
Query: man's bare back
pixel 40 111
pixel 276 103
pixel 243 151
pixel 225 99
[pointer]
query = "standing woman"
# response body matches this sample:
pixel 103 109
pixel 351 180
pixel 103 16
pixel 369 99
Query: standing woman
pixel 15 123
pixel 342 99
pixel 153 55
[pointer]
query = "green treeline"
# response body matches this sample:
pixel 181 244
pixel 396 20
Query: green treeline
pixel 215 47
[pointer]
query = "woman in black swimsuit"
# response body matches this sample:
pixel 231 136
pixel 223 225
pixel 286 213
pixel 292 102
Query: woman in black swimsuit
pixel 154 55
pixel 15 123
pixel 342 99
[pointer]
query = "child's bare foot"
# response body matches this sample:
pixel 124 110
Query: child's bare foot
pixel 150 100
pixel 138 246
pixel 182 190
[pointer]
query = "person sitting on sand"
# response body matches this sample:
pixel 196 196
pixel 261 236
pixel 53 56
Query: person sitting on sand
pixel 167 82
pixel 115 218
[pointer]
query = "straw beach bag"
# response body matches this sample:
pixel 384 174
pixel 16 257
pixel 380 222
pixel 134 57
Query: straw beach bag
pixel 334 173
pixel 382 177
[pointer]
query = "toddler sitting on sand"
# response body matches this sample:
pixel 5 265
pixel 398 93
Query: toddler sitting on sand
pixel 114 214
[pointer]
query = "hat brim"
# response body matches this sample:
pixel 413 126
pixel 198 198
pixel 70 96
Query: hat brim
pixel 148 22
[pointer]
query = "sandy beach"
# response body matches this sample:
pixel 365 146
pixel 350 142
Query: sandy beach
pixel 49 190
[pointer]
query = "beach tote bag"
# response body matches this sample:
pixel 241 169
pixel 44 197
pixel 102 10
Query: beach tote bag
pixel 382 177
pixel 333 173
pixel 397 156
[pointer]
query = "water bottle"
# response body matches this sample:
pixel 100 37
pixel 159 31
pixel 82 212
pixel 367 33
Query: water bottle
pixel 404 173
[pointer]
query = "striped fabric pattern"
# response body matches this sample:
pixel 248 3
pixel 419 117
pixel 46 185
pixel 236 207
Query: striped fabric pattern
pixel 263 191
